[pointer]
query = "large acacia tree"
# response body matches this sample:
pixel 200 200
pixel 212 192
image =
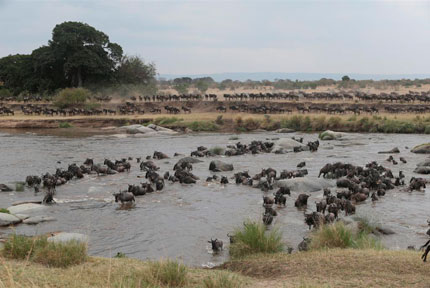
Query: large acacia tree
pixel 84 53
pixel 77 55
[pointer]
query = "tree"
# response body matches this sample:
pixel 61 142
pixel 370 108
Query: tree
pixel 202 85
pixel 345 78
pixel 133 70
pixel 85 53
pixel 16 72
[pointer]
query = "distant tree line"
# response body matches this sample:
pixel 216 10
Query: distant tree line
pixel 78 55
pixel 185 84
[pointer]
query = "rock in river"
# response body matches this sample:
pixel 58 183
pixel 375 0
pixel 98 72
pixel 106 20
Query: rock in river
pixel 288 144
pixel 8 219
pixel 18 209
pixel 422 149
pixel 219 166
pixel 38 219
pixel 330 135
pixel 394 150
pixel 305 184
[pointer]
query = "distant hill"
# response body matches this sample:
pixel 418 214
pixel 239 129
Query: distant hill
pixel 258 76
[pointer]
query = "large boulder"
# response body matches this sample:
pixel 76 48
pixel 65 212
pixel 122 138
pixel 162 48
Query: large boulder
pixel 286 144
pixel 38 219
pixel 305 184
pixel 330 135
pixel 394 150
pixel 285 130
pixel 162 130
pixel 19 209
pixel 8 219
pixel 422 149
pixel 422 170
pixel 424 163
pixel 67 237
pixel 138 129
pixel 219 166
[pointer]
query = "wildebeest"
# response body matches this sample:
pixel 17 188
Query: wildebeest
pixel 124 197
pixel 302 200
pixel 217 245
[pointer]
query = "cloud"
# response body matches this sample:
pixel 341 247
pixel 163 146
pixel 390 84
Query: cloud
pixel 249 36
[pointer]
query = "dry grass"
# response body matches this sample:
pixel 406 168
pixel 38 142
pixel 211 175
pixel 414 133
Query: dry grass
pixel 322 268
pixel 336 268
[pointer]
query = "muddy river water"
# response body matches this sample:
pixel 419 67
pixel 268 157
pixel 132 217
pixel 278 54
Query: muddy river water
pixel 178 221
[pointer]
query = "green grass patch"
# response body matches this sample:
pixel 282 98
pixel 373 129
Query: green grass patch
pixel 202 126
pixel 19 187
pixel 222 280
pixel 60 254
pixel 253 238
pixel 217 150
pixel 167 120
pixel 170 273
pixel 65 125
pixel 4 210
pixel 39 250
pixel 338 235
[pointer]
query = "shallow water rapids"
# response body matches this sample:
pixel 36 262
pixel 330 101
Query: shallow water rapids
pixel 178 221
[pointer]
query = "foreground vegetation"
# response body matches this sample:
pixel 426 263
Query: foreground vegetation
pixel 319 268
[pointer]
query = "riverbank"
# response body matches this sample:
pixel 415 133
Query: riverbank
pixel 329 268
pixel 231 122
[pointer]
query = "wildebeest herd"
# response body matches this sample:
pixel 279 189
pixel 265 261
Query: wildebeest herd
pixel 354 184
pixel 261 103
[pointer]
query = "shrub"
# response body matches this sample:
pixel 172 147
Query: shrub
pixel 169 273
pixel 71 97
pixel 338 235
pixel 65 125
pixel 222 280
pixel 251 124
pixel 61 254
pixel 19 187
pixel 39 250
pixel 217 150
pixel 21 247
pixel 206 126
pixel 4 210
pixel 253 238
pixel 167 120
pixel 120 255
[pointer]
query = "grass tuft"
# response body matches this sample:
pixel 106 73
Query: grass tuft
pixel 170 273
pixel 222 280
pixel 4 210
pixel 253 238
pixel 61 254
pixel 65 125
pixel 338 235
pixel 39 250
pixel 19 187
pixel 217 150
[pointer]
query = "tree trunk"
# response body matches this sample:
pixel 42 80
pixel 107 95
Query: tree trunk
pixel 79 74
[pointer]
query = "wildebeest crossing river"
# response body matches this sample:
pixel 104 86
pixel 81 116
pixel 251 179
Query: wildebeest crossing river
pixel 178 221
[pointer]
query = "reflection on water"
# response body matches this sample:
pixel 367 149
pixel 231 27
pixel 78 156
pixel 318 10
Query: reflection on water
pixel 178 221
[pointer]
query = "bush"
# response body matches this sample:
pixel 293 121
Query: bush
pixel 19 187
pixel 217 150
pixel 167 120
pixel 206 126
pixel 169 273
pixel 251 124
pixel 39 250
pixel 61 254
pixel 338 235
pixel 21 247
pixel 4 210
pixel 222 280
pixel 252 238
pixel 65 125
pixel 71 97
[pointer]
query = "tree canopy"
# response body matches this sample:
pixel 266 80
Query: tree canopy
pixel 77 55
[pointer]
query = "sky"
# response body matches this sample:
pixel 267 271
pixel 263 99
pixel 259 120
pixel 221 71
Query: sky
pixel 199 37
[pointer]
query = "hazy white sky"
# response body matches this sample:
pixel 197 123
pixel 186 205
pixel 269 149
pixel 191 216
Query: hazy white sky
pixel 192 37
